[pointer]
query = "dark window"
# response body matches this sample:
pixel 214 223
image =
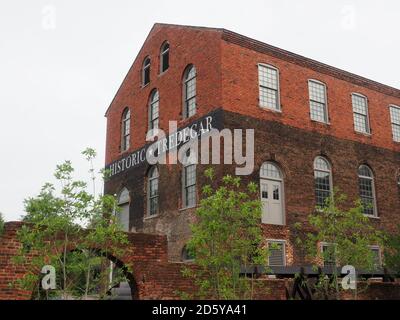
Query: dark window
pixel 125 129
pixel 164 57
pixel 146 71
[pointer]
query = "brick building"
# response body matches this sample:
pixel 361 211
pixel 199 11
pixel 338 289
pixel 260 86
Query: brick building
pixel 316 127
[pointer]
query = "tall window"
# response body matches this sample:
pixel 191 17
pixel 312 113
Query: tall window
pixel 268 79
pixel 125 129
pixel 271 187
pixel 187 255
pixel 395 119
pixel 189 91
pixel 318 105
pixel 360 113
pixel 367 190
pixel 322 181
pixel 376 254
pixel 189 185
pixel 146 71
pixel 154 104
pixel 122 214
pixel 328 254
pixel 152 191
pixel 164 57
pixel 276 253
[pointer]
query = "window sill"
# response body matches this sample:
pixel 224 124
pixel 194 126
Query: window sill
pixel 277 111
pixel 365 134
pixel 187 208
pixel 162 73
pixel 147 217
pixel 144 85
pixel 372 217
pixel 320 122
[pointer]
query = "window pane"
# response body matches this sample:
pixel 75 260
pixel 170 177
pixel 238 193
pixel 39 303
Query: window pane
pixel 268 170
pixel 322 187
pixel 269 86
pixel 264 191
pixel 367 195
pixel 328 253
pixel 361 123
pixel 317 101
pixel 359 104
pixel 276 192
pixel 276 254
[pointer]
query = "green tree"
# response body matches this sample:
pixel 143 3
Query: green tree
pixel 347 233
pixel 1 223
pixel 226 237
pixel 392 251
pixel 71 229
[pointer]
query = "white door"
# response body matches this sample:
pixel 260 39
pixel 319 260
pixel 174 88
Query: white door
pixel 271 198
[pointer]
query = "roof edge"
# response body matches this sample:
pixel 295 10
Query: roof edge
pixel 315 65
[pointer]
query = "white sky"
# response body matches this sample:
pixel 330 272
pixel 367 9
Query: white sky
pixel 61 63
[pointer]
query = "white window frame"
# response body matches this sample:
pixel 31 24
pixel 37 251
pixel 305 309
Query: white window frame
pixel 375 214
pixel 163 51
pixel 149 197
pixel 185 187
pixel 278 102
pixel 326 100
pixel 281 179
pixel 330 171
pixel 323 244
pixel 151 104
pixel 372 247
pixel 124 202
pixel 368 132
pixel 185 97
pixel 391 120
pixel 125 131
pixel 283 242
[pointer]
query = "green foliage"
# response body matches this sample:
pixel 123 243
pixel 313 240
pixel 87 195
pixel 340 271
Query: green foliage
pixel 73 230
pixel 226 236
pixel 1 223
pixel 348 232
pixel 392 251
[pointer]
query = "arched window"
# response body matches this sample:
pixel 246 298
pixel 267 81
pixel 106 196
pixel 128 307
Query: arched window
pixel 125 129
pixel 146 71
pixel 271 189
pixel 189 91
pixel 322 181
pixel 154 104
pixel 367 190
pixel 122 213
pixel 152 191
pixel 187 255
pixel 164 57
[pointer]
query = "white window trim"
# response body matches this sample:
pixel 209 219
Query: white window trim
pixel 184 187
pixel 148 196
pixel 184 87
pixel 150 110
pixel 368 132
pixel 281 179
pixel 326 100
pixel 379 253
pixel 391 120
pixel 125 137
pixel 330 174
pixel 375 215
pixel 321 248
pixel 283 248
pixel 278 87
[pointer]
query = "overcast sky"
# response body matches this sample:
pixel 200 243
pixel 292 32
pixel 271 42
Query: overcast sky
pixel 61 62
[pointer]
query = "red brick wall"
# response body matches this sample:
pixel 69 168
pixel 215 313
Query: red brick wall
pixel 199 47
pixel 240 94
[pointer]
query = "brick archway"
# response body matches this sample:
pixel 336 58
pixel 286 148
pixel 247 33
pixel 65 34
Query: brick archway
pixel 151 276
